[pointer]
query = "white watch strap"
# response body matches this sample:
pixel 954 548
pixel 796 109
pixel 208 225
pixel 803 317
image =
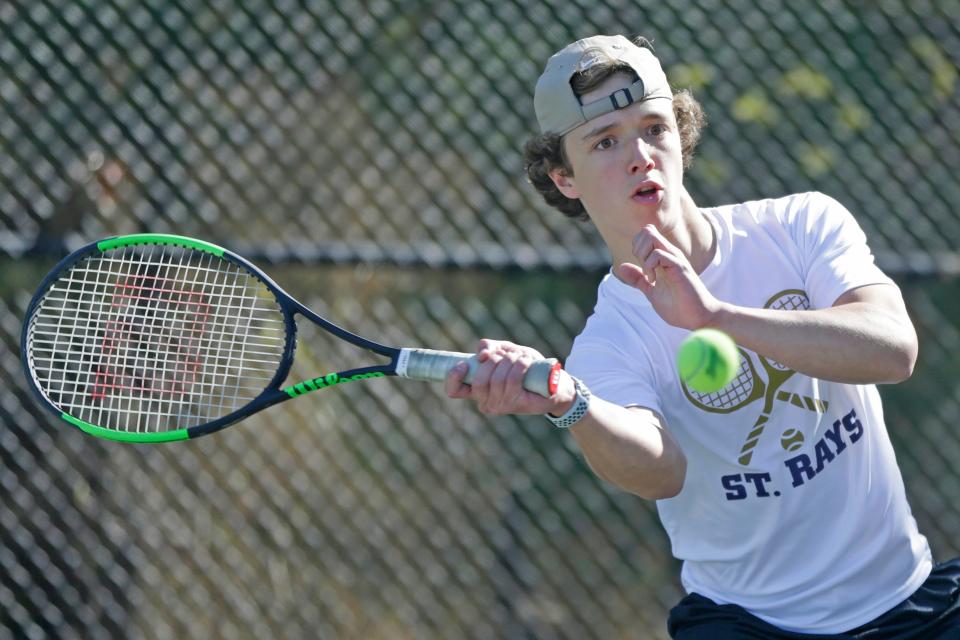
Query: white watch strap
pixel 579 409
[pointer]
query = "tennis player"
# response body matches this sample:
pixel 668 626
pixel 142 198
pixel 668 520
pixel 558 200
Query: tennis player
pixel 812 534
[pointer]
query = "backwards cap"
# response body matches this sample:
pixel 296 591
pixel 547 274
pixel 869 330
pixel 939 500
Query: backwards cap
pixel 558 109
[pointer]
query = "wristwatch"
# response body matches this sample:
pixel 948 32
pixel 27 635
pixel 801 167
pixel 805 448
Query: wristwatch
pixel 579 409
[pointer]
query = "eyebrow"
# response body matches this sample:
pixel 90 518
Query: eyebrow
pixel 653 115
pixel 597 131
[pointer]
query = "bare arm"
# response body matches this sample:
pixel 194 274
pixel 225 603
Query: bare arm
pixel 629 448
pixel 866 337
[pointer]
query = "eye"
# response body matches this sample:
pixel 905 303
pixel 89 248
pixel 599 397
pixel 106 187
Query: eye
pixel 605 143
pixel 658 130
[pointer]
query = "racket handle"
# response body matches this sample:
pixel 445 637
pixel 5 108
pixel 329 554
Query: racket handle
pixel 431 365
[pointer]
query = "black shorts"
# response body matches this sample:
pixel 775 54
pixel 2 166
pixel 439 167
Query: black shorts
pixel 931 613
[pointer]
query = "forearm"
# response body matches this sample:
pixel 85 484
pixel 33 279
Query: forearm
pixel 630 449
pixel 855 342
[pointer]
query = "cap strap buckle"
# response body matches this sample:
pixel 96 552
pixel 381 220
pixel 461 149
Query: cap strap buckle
pixel 619 99
pixel 625 94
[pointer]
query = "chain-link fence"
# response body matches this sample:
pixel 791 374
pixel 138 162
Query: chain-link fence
pixel 370 152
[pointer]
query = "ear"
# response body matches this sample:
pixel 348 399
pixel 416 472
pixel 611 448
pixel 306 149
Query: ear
pixel 564 183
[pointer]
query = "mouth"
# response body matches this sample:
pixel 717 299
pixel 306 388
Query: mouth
pixel 647 192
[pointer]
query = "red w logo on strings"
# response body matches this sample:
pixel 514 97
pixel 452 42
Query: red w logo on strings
pixel 151 340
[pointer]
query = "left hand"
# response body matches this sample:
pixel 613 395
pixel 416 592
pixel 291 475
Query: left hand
pixel 664 275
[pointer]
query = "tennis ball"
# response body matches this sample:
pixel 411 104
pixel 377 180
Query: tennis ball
pixel 708 360
pixel 791 440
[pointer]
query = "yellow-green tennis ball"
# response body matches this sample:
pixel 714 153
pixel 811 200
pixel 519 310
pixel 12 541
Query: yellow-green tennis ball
pixel 708 360
pixel 791 440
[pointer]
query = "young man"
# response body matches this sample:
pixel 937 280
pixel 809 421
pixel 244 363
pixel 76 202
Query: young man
pixel 786 504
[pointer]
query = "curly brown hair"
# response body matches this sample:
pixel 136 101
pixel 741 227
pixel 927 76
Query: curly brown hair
pixel 543 153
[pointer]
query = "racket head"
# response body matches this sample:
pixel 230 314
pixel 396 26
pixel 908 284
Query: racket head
pixel 155 338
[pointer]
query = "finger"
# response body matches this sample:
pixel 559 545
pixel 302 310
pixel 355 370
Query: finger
pixel 649 239
pixel 498 390
pixel 507 395
pixel 656 236
pixel 492 350
pixel 497 382
pixel 453 384
pixel 643 244
pixel 485 347
pixel 660 259
pixel 486 365
pixel 633 276
pixel 515 377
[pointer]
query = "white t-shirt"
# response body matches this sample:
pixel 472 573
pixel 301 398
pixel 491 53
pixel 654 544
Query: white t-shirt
pixel 813 533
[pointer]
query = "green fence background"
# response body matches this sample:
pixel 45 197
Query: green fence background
pixel 369 152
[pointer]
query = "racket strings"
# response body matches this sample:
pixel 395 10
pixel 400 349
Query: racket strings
pixel 155 338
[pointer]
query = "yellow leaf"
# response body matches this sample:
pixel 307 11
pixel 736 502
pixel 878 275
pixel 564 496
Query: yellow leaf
pixel 805 82
pixel 755 106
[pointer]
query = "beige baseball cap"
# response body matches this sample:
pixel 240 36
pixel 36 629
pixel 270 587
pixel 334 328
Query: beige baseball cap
pixel 558 109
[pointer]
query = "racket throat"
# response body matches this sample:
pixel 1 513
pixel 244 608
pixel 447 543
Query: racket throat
pixel 329 380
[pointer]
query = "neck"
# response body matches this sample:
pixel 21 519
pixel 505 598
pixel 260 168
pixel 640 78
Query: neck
pixel 690 232
pixel 694 235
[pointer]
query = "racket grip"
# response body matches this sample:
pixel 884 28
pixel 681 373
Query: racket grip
pixel 432 365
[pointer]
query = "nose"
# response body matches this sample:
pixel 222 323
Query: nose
pixel 640 161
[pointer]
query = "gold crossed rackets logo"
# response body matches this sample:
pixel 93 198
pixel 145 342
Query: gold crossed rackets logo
pixel 747 386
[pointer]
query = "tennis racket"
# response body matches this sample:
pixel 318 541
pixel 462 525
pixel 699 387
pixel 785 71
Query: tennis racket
pixel 156 338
